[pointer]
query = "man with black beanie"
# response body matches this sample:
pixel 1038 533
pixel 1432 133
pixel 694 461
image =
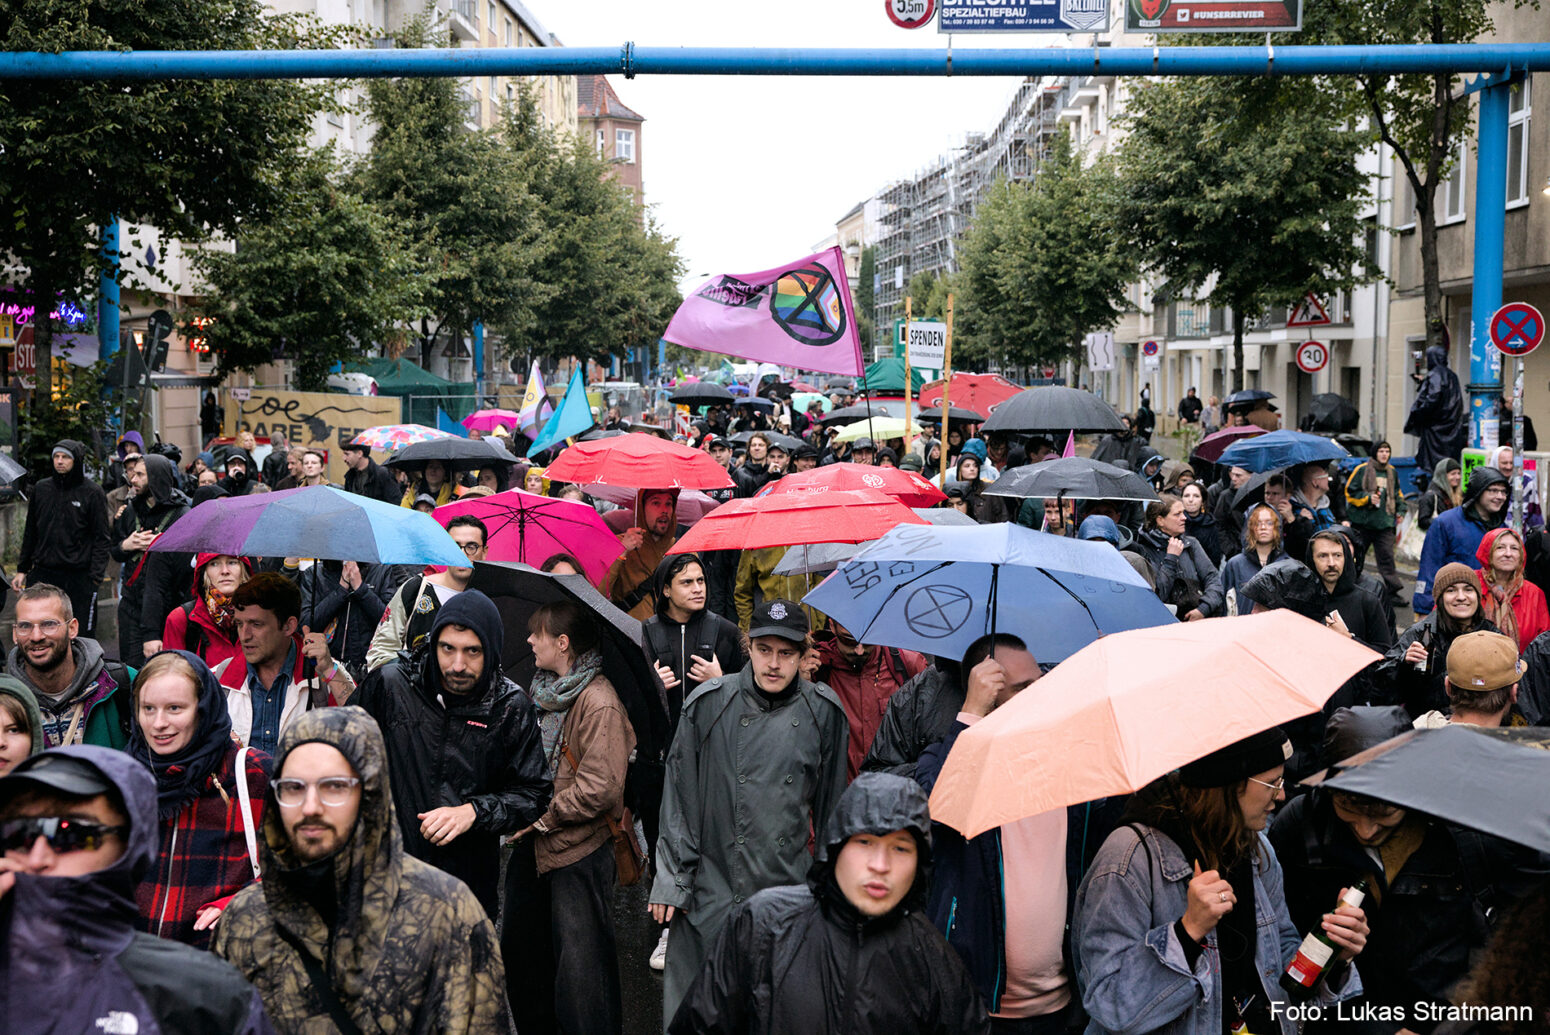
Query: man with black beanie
pixel 65 542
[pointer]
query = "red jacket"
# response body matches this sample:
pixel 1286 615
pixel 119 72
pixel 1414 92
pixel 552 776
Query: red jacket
pixel 192 629
pixel 1528 603
pixel 865 691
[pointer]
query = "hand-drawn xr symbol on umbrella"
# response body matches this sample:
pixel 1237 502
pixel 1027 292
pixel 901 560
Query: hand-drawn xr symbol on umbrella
pixel 936 612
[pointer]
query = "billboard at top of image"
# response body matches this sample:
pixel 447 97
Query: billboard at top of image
pixel 1023 16
pixel 1213 15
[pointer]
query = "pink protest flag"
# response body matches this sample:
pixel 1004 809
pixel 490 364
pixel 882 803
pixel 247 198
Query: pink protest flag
pixel 1070 445
pixel 797 315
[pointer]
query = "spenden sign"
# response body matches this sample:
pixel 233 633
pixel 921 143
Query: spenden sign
pixel 927 344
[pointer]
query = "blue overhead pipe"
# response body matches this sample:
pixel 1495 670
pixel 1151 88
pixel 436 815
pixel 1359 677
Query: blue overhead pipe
pixel 630 60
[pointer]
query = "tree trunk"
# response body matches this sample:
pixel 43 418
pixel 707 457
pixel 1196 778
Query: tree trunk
pixel 1237 348
pixel 1426 208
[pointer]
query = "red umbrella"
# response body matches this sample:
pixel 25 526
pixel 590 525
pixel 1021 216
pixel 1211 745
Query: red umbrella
pixel 981 393
pixel 793 518
pixel 639 462
pixel 907 487
pixel 1213 445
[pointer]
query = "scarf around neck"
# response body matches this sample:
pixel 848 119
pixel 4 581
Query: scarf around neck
pixel 222 611
pixel 554 694
pixel 181 776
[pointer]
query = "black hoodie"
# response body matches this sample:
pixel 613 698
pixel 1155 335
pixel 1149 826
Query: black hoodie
pixel 481 748
pixel 67 522
pixel 804 959
pixel 1360 609
pixel 670 644
pixel 154 583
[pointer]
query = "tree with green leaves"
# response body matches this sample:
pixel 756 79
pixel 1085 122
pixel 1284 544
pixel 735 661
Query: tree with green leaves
pixel 864 298
pixel 928 293
pixel 190 157
pixel 1245 190
pixel 320 282
pixel 1041 266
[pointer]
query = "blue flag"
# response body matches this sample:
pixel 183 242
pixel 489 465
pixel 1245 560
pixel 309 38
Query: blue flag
pixel 572 418
pixel 447 424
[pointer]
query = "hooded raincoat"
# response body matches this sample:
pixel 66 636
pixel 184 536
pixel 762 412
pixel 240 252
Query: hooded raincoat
pixel 153 582
pixel 407 947
pixel 804 959
pixel 1438 497
pixel 190 626
pixel 71 961
pixel 629 579
pixel 65 541
pixel 1438 415
pixel 481 748
pixel 1456 535
pixel 1522 614
pixel 865 686
pixel 12 687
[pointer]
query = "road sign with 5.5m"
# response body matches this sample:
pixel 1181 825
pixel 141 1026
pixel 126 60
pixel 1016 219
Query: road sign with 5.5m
pixel 910 14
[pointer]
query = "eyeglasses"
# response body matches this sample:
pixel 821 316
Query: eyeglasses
pixel 471 548
pixel 1278 786
pixel 332 790
pixel 48 628
pixel 61 833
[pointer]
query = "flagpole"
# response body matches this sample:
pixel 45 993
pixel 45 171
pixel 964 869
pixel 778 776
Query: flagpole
pixel 947 386
pixel 909 439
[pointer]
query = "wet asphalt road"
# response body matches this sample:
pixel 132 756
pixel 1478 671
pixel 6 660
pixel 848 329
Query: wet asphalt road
pixel 641 986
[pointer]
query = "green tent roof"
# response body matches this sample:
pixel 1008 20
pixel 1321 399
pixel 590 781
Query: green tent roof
pixel 400 376
pixel 886 377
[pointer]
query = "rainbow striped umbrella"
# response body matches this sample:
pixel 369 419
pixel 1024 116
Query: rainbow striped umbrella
pixel 389 437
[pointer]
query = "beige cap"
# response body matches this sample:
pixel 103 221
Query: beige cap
pixel 1480 662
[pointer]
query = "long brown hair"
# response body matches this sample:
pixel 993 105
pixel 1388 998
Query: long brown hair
pixel 1209 817
pixel 1159 508
pixel 1248 527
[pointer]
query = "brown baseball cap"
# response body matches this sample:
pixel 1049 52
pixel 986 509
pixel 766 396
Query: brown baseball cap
pixel 1480 662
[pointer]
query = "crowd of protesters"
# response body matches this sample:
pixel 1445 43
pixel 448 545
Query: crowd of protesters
pixel 304 796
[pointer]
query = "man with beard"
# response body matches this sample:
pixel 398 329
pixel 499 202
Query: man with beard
pixel 150 579
pixel 84 698
pixel 628 581
pixel 1344 605
pixel 1456 534
pixel 412 611
pixel 65 542
pixel 462 744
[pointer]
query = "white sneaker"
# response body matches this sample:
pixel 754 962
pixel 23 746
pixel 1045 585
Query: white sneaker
pixel 658 959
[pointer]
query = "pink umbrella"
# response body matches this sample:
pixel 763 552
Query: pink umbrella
pixel 529 529
pixel 486 421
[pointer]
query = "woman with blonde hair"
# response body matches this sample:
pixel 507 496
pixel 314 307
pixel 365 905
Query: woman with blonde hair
pixel 1261 546
pixel 1516 607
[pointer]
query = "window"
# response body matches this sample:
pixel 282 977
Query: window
pixel 624 145
pixel 1450 192
pixel 511 96
pixel 492 93
pixel 602 149
pixel 508 32
pixel 1517 144
pixel 489 16
pixel 1403 215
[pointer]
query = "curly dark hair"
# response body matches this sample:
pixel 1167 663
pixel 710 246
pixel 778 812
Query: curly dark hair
pixel 1512 970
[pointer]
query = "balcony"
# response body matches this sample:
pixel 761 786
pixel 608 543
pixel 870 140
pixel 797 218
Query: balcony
pixel 464 19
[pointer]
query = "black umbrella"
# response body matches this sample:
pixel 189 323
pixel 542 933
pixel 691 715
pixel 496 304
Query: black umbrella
pixel 778 390
pixel 10 470
pixel 741 438
pixel 1253 490
pixel 843 415
pixel 1050 409
pixel 841 383
pixel 1248 395
pixel 651 429
pixel 1420 770
pixel 700 393
pixel 1072 477
pixel 955 416
pixel 786 442
pixel 597 433
pixel 755 402
pixel 1333 413
pixel 458 454
pixel 519 590
pixel 1287 583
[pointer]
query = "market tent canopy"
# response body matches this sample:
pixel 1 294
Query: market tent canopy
pixel 886 377
pixel 423 390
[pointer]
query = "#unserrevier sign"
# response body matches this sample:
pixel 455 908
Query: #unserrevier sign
pixel 1213 15
pixel 1023 16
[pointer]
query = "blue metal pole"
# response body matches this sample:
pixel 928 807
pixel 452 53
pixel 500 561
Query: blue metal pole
pixel 1485 362
pixel 632 61
pixel 107 305
pixel 478 364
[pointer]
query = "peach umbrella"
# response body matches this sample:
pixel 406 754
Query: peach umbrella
pixel 1133 706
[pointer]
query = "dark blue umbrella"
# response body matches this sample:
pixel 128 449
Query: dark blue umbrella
pixel 937 589
pixel 1281 449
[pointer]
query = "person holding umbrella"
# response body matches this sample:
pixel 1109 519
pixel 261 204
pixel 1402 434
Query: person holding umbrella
pixel 1195 855
pixel 628 581
pixel 432 481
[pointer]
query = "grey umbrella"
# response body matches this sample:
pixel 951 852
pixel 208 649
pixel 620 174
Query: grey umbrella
pixel 955 415
pixel 1072 477
pixel 1048 409
pixel 459 454
pixel 700 393
pixel 843 415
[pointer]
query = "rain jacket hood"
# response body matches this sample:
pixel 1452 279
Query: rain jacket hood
pixel 136 443
pixel 1348 573
pixel 76 474
pixel 10 686
pixel 88 665
pixel 161 482
pixel 470 609
pixel 1351 731
pixel 640 515
pixel 875 803
pixel 1480 479
pixel 1483 552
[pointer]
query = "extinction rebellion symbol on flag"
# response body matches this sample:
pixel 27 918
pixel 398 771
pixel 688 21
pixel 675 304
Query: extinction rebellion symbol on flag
pixel 804 303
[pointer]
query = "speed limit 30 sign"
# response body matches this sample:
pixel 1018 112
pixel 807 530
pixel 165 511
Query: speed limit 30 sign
pixel 910 14
pixel 1312 356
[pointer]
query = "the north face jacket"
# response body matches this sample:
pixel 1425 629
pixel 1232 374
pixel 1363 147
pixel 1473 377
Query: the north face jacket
pixel 408 948
pixel 803 959
pixel 71 961
pixel 67 522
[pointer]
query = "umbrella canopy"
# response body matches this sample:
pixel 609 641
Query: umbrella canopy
pixel 1116 716
pixel 756 402
pixel 1254 489
pixel 598 433
pixel 692 503
pixel 955 416
pixel 530 528
pixel 1210 448
pixel 1281 449
pixel 389 437
pixel 1073 477
pixel 940 588
pixel 1248 395
pixel 850 414
pixel 699 393
pixel 981 393
pixel 1420 770
pixel 459 454
pixel 789 443
pixel 486 421
pixel 886 377
pixel 789 518
pixel 10 470
pixel 321 521
pixel 802 400
pixel 815 558
pixel 1053 408
pixel 945 516
pixel 877 429
pixel 639 462
pixel 519 590
pixel 842 383
pixel 907 487
pixel 1333 413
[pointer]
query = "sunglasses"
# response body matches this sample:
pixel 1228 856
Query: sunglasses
pixel 61 833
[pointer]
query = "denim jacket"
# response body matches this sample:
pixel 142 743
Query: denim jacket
pixel 1130 966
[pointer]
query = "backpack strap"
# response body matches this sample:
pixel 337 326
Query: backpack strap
pixel 321 984
pixel 244 803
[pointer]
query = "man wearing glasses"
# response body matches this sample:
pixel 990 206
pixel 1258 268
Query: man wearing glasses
pixel 77 831
pixel 84 697
pixel 347 932
pixel 412 611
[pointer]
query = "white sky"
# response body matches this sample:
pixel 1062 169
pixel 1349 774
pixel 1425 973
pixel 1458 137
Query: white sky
pixel 751 171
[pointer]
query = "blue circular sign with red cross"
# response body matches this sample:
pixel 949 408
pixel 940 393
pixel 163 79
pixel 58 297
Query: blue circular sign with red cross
pixel 1149 348
pixel 1517 328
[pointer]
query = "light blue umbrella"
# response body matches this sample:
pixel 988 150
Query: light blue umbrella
pixel 938 588
pixel 1282 448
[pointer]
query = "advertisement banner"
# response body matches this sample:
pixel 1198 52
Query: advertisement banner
pixel 1024 16
pixel 1213 15
pixel 313 419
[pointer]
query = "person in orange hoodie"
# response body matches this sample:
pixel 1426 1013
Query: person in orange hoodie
pixel 1502 558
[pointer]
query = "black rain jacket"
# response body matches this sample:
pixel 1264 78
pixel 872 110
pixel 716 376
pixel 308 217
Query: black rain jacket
pixel 67 522
pixel 1438 415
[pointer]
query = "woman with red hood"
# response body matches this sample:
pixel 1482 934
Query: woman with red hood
pixel 1502 558
pixel 207 626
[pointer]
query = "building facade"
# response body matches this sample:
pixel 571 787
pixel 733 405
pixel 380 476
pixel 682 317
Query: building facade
pixel 614 129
